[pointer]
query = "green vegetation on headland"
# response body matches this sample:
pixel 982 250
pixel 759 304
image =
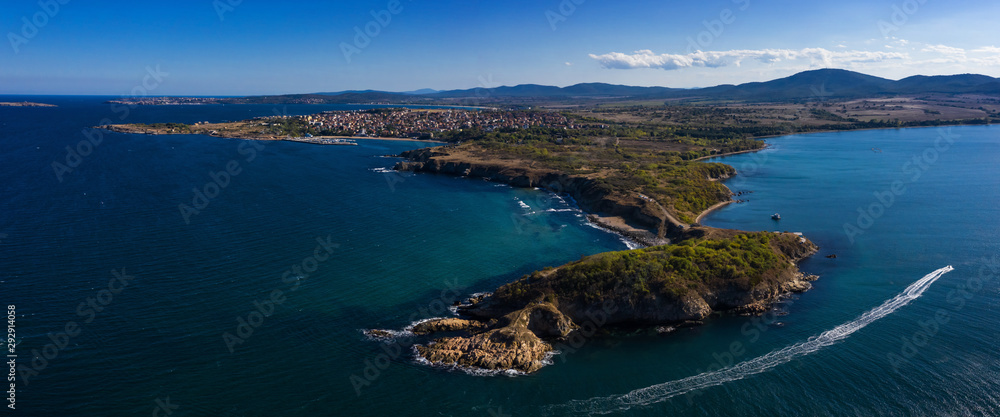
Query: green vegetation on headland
pixel 742 261
pixel 661 169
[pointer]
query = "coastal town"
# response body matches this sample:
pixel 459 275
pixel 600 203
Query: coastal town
pixel 332 127
pixel 422 123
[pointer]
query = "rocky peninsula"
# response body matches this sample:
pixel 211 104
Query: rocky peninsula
pixel 686 273
pixel 633 214
pixel 710 271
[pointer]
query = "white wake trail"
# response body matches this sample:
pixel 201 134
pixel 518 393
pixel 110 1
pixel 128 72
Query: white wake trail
pixel 664 391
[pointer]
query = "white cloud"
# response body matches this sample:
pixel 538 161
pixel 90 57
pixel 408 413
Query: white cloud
pixel 903 60
pixel 897 43
pixel 987 56
pixel 944 50
pixel 569 64
pixel 991 61
pixel 717 59
pixel 987 50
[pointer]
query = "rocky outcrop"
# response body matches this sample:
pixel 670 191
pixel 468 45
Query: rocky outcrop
pixel 628 308
pixel 516 341
pixel 447 325
pixel 526 316
pixel 507 335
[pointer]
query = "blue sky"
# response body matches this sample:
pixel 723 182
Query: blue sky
pixel 242 47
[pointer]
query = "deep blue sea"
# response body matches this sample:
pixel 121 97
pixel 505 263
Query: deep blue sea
pixel 219 277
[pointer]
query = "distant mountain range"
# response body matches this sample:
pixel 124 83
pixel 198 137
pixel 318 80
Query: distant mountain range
pixel 808 85
pixel 412 93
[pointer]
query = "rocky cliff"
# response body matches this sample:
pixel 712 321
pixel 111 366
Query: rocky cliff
pixel 665 285
pixel 668 284
pixel 592 195
pixel 706 270
pixel 515 341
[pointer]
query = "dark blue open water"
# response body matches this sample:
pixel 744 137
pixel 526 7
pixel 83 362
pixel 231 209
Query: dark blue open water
pixel 401 247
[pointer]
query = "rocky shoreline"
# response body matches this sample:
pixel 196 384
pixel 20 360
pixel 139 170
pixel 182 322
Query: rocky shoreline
pixel 493 333
pixel 639 213
pixel 618 225
pixel 518 326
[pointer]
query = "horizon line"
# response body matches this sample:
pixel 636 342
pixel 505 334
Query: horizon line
pixel 409 92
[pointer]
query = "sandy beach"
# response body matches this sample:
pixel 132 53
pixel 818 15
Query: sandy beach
pixel 618 225
pixel 711 209
pixel 766 145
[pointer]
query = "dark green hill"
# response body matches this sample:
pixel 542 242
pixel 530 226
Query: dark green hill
pixel 804 86
pixel 948 84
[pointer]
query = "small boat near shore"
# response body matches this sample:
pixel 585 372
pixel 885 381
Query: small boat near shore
pixel 775 216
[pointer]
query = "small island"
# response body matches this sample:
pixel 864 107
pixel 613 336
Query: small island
pixel 24 104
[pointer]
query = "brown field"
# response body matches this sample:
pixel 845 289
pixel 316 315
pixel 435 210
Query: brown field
pixel 905 109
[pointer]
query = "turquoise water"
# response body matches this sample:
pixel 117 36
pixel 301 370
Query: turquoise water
pixel 397 248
